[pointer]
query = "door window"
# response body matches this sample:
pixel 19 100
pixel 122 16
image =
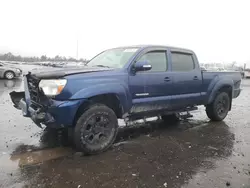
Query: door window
pixel 182 62
pixel 157 59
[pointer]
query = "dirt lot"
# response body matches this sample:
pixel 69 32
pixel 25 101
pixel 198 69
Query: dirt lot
pixel 193 153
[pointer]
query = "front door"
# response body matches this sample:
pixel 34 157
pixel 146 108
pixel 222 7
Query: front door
pixel 151 90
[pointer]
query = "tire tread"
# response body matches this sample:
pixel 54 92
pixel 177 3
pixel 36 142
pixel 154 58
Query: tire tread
pixel 78 129
pixel 210 108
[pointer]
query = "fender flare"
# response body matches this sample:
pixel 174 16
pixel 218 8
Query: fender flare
pixel 121 92
pixel 220 84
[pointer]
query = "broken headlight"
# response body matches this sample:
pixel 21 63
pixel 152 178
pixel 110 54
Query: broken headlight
pixel 52 87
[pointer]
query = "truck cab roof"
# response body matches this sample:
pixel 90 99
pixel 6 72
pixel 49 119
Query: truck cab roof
pixel 171 48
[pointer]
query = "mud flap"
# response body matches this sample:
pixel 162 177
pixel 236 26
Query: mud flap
pixel 16 98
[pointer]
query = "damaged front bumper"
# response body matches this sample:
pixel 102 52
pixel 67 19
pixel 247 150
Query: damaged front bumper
pixel 58 114
pixel 50 112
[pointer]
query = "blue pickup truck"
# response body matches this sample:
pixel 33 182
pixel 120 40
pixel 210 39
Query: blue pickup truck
pixel 126 82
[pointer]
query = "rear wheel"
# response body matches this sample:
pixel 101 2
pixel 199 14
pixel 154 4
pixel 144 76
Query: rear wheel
pixel 9 75
pixel 96 129
pixel 218 109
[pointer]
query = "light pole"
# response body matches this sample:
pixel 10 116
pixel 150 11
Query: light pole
pixel 77 49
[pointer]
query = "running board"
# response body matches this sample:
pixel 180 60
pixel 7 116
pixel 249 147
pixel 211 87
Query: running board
pixel 149 114
pixel 145 119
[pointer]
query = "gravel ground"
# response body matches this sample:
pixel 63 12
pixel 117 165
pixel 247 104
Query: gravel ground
pixel 192 153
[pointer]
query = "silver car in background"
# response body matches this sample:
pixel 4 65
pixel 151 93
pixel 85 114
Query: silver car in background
pixel 9 71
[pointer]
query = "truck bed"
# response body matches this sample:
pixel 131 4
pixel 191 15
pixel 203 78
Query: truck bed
pixel 210 79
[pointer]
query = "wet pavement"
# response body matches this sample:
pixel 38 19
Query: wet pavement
pixel 192 153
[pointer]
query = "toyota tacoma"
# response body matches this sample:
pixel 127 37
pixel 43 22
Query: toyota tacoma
pixel 131 83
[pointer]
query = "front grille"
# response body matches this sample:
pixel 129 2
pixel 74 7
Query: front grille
pixel 33 88
pixel 37 97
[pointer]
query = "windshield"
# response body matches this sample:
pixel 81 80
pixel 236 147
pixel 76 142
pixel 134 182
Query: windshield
pixel 114 58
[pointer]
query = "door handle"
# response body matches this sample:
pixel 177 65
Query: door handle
pixel 166 79
pixel 195 78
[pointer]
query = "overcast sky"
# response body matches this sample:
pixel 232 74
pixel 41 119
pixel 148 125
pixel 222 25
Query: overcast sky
pixel 217 30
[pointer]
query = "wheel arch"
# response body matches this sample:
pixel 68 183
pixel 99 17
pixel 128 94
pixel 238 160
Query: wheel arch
pixel 228 88
pixel 221 85
pixel 109 99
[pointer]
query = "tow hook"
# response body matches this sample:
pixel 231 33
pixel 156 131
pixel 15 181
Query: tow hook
pixel 37 116
pixel 41 116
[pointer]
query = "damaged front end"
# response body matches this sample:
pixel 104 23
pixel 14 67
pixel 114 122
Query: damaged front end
pixel 16 98
pixel 32 102
pixel 41 108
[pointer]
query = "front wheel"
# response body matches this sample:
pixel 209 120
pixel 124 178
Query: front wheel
pixel 218 109
pixel 96 129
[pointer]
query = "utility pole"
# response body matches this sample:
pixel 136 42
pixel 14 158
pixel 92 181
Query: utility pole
pixel 77 49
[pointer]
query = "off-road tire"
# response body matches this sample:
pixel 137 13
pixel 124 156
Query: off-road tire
pixel 212 109
pixel 171 118
pixel 82 128
pixel 7 73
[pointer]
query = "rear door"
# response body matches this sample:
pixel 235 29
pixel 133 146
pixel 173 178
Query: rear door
pixel 151 90
pixel 187 79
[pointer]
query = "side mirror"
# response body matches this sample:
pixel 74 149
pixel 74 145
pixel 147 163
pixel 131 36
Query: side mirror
pixel 142 66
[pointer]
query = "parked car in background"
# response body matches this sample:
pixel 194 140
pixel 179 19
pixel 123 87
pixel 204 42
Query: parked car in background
pixel 213 68
pixel 237 69
pixel 74 65
pixel 203 68
pixel 247 73
pixel 9 71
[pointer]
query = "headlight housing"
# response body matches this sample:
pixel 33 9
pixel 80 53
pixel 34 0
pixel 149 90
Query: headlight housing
pixel 52 87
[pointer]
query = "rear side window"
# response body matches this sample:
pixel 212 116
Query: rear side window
pixel 157 59
pixel 182 62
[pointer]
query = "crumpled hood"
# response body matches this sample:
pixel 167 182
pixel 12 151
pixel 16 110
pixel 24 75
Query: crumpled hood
pixel 52 73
